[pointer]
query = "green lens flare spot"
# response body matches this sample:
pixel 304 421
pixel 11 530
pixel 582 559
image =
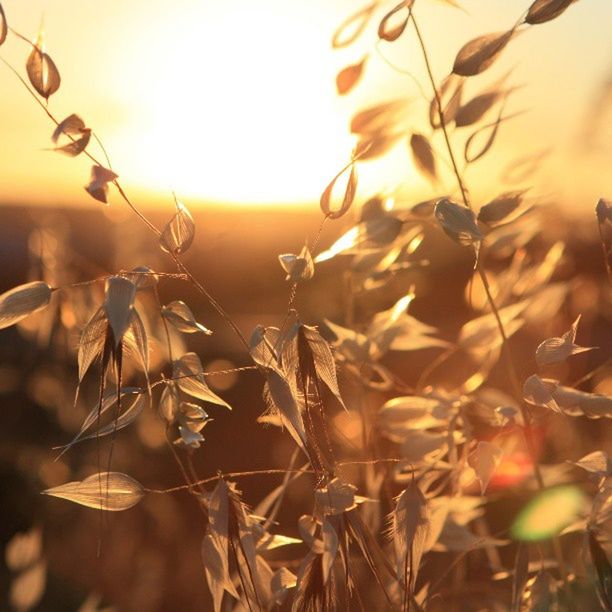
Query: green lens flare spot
pixel 548 513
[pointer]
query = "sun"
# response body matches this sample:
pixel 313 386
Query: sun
pixel 237 105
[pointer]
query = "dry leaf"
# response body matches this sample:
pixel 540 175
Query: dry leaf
pixel 335 498
pixel 42 71
pixel 458 222
pixel 539 393
pixel 423 156
pixel 349 193
pixel 409 528
pixel 109 402
pixel 348 77
pixel 378 118
pixel 142 277
pixel 501 207
pixel 453 84
pixel 597 463
pixel 119 294
pixel 471 157
pixel 92 341
pixel 343 37
pixel 282 581
pixel 98 182
pixel 578 403
pixel 542 11
pixel 477 107
pixel 72 126
pixel 484 461
pixel 478 54
pixel 180 316
pixel 178 235
pixel 111 491
pixel 22 301
pixel 556 350
pixel 298 267
pixel 330 548
pixel 189 375
pixel 390 32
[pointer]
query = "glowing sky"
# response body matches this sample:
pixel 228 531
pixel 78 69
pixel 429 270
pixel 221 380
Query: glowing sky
pixel 235 101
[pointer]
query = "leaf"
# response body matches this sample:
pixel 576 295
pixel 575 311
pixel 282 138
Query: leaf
pixel 476 108
pixel 3 26
pixel 42 71
pixel 480 53
pixel 119 294
pixel 22 301
pixel 298 267
pixel 109 402
pixel 72 149
pixel 28 587
pixel 92 341
pixel 458 222
pixel 577 403
pixel 349 193
pixel 423 445
pixel 556 350
pixel 72 125
pixel 142 277
pixel 537 392
pixel 451 106
pixel 330 548
pixel 111 491
pixel 335 498
pixel 542 11
pixel 603 568
pixel 136 341
pixel 484 461
pixel 498 209
pixel 483 332
pixel 178 235
pixel 358 21
pixel 169 402
pixel 348 77
pixel 180 316
pixel 394 32
pixel 597 463
pixel 409 528
pixel 127 417
pixel 324 364
pixel 378 118
pixel 98 183
pixel 471 157
pixel 282 581
pixel 189 375
pixel 423 156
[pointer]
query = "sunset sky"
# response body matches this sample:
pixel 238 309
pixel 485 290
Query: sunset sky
pixel 235 101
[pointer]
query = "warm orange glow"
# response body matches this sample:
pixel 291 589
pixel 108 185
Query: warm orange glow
pixel 236 102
